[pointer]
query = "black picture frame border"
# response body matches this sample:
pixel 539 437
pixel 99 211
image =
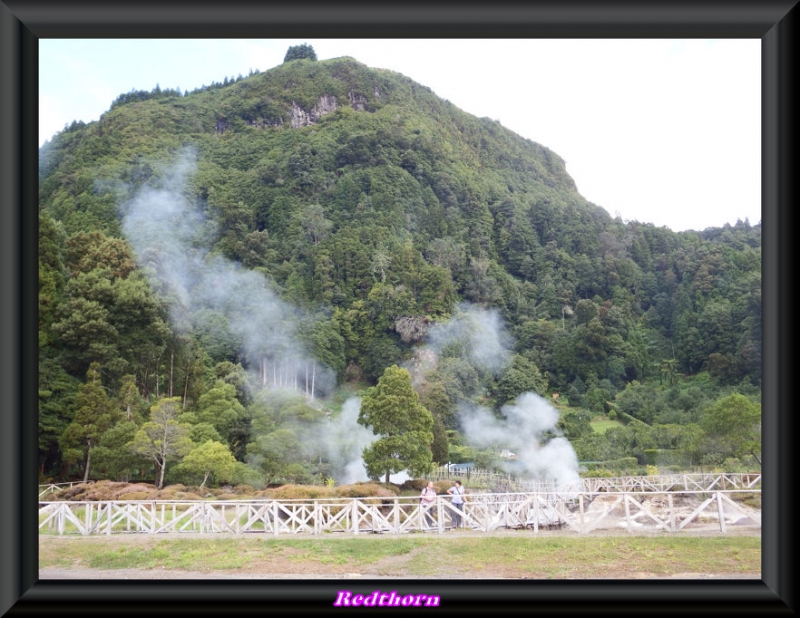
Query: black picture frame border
pixel 23 23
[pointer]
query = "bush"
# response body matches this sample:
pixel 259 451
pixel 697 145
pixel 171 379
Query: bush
pixel 244 490
pixel 395 489
pixel 104 490
pixel 613 467
pixel 597 473
pixel 298 492
pixel 622 465
pixel 134 495
pixel 441 487
pixel 665 457
pixel 364 490
pixel 182 495
pixel 414 485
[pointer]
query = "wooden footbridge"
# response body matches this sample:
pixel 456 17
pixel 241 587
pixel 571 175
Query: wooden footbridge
pixel 661 504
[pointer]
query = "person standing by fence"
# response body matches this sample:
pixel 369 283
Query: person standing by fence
pixel 427 499
pixel 457 491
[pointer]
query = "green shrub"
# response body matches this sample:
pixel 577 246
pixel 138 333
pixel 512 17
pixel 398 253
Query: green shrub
pixel 622 465
pixel 597 473
pixel 665 457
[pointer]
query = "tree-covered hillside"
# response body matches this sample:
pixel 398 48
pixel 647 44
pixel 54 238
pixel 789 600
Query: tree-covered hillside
pixel 227 263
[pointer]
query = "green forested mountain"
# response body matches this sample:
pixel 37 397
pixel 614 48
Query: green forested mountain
pixel 229 262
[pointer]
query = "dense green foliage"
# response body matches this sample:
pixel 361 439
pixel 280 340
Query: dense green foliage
pixel 404 427
pixel 372 208
pixel 300 52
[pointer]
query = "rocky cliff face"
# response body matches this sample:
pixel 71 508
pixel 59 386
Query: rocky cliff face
pixel 325 105
pixel 301 118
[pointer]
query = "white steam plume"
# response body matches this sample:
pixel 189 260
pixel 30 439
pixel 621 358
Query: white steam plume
pixel 479 334
pixel 528 429
pixel 170 237
pixel 341 441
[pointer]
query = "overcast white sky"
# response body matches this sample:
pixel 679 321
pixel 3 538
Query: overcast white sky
pixel 654 130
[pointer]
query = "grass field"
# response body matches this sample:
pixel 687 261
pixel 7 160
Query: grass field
pixel 508 554
pixel 601 426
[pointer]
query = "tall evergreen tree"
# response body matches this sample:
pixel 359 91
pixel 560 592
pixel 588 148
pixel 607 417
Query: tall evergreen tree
pixel 300 52
pixel 94 413
pixel 393 411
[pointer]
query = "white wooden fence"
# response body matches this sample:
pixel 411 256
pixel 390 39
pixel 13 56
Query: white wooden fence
pixel 707 481
pixel 580 512
pixel 674 482
pixel 53 488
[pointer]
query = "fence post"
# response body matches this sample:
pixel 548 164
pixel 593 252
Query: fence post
pixel 671 512
pixel 627 512
pixel 88 520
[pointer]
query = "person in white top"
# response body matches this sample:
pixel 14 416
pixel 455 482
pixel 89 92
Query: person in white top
pixel 457 491
pixel 427 498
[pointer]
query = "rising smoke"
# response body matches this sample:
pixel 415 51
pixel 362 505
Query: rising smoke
pixel 528 429
pixel 170 237
pixel 341 441
pixel 478 335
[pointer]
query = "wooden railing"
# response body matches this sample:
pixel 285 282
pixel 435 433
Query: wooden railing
pixel 674 482
pixel 663 482
pixel 53 488
pixel 582 513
